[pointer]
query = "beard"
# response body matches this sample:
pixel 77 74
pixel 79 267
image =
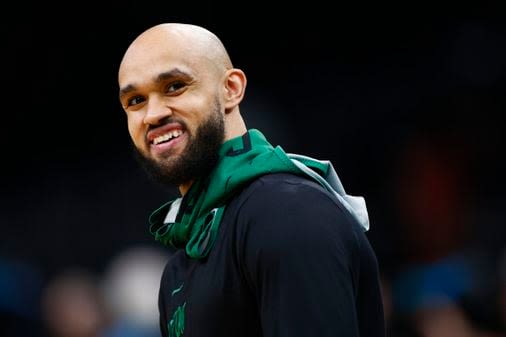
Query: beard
pixel 198 158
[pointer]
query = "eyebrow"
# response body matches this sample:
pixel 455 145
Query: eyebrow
pixel 165 76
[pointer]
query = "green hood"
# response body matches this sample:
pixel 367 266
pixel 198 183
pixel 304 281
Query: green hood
pixel 192 222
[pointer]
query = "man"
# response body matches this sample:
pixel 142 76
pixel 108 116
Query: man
pixel 265 243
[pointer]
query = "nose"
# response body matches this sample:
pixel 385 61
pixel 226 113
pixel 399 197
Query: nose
pixel 157 110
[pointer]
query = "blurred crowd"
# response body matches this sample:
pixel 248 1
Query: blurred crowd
pixel 76 302
pixel 448 277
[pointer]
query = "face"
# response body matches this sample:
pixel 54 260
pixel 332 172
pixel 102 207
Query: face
pixel 174 114
pixel 198 158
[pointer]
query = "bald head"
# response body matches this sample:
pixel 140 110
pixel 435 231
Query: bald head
pixel 180 74
pixel 193 44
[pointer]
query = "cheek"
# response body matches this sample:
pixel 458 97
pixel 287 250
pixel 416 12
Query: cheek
pixel 136 132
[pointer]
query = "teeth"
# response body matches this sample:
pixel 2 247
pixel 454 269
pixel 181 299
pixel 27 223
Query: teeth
pixel 168 136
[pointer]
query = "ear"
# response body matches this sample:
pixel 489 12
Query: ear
pixel 235 86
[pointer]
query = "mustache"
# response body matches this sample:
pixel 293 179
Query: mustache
pixel 167 120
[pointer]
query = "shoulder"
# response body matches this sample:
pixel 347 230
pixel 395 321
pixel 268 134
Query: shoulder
pixel 288 194
pixel 287 224
pixel 283 190
pixel 285 211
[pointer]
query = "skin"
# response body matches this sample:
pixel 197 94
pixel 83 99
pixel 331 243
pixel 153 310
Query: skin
pixel 170 78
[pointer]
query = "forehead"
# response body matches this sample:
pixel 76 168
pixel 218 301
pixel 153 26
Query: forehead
pixel 148 58
pixel 147 69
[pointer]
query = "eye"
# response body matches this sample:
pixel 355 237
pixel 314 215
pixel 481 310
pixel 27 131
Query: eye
pixel 174 86
pixel 135 100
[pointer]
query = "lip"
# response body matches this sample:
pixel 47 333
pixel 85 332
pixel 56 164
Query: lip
pixel 161 130
pixel 168 148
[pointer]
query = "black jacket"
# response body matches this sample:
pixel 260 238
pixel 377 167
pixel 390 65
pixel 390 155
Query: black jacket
pixel 288 261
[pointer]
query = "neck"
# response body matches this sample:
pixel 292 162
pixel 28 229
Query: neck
pixel 234 124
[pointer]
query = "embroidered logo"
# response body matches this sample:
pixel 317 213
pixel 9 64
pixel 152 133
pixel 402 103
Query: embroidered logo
pixel 176 324
pixel 175 291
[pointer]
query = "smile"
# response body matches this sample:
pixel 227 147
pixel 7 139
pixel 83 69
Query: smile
pixel 167 137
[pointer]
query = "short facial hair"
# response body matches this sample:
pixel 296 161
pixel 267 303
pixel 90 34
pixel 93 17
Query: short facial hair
pixel 198 159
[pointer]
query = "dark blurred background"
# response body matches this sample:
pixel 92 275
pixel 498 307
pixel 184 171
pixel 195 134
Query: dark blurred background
pixel 408 102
